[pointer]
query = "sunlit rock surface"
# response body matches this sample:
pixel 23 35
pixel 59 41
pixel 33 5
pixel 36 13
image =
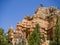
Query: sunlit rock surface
pixel 44 16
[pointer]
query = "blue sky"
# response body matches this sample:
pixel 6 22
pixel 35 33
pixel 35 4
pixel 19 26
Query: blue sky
pixel 13 11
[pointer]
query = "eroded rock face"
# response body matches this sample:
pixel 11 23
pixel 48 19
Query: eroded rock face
pixel 45 17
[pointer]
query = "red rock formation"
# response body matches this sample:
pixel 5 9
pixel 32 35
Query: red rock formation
pixel 46 19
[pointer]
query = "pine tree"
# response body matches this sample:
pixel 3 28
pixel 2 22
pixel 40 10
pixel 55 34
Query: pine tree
pixel 1 35
pixel 3 38
pixel 35 38
pixel 56 34
pixel 40 34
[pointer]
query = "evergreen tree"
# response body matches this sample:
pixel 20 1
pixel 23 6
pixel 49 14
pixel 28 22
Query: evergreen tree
pixel 56 34
pixel 3 38
pixel 40 34
pixel 37 28
pixel 35 38
pixel 1 35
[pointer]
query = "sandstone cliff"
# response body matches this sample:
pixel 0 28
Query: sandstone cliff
pixel 45 17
